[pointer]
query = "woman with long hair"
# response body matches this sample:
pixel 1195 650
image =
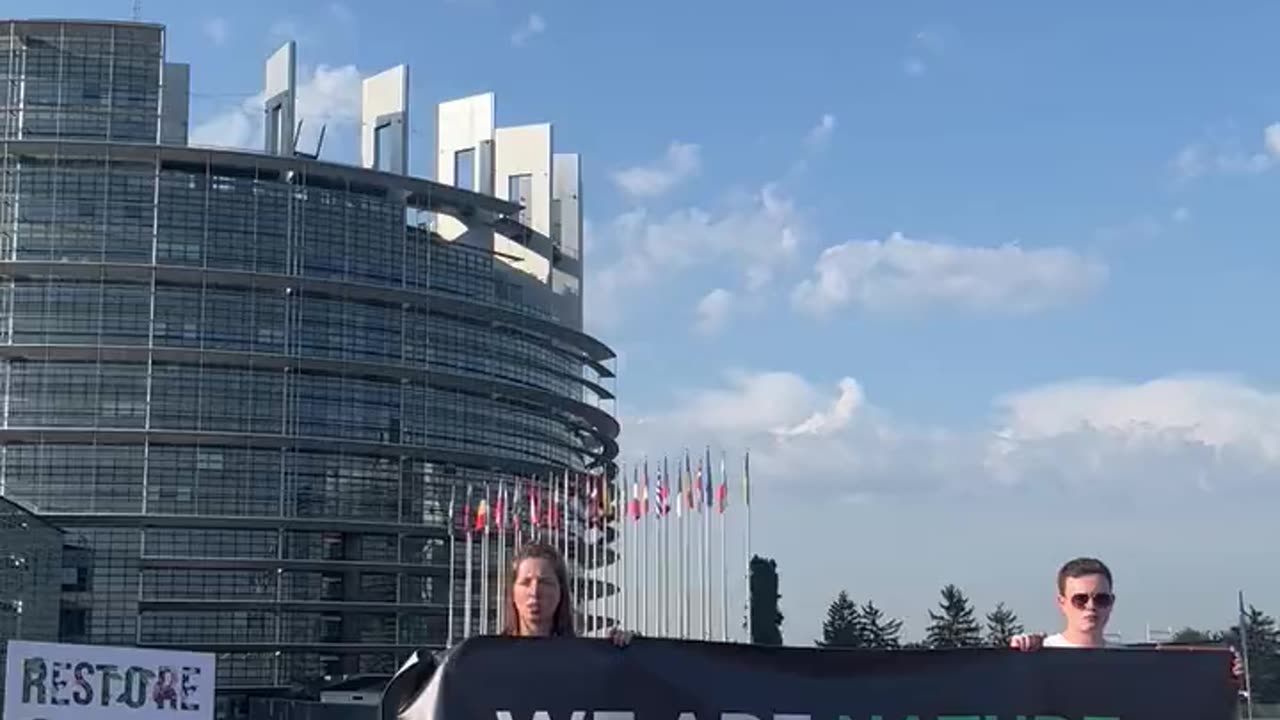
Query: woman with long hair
pixel 539 600
pixel 539 604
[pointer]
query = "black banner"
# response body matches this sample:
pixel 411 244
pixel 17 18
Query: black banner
pixel 491 678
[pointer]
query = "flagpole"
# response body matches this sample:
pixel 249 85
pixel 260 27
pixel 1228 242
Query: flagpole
pixel 746 507
pixel 563 518
pixel 637 567
pixel 644 559
pixel 468 522
pixel 664 552
pixel 722 502
pixel 705 566
pixel 484 562
pixel 1244 657
pixel 518 519
pixel 687 630
pixel 679 553
pixel 499 596
pixel 589 537
pixel 622 543
pixel 615 519
pixel 453 555
pixel 553 493
pixel 578 541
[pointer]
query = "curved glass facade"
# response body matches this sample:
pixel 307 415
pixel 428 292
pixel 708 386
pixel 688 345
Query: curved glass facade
pixel 251 383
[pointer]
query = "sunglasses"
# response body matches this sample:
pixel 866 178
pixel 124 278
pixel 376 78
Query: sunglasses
pixel 1100 600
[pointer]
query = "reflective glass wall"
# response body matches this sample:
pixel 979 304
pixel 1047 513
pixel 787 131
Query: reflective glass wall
pixel 249 386
pixel 91 81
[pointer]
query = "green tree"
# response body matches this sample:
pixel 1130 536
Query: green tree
pixel 1191 636
pixel 766 618
pixel 879 632
pixel 1264 654
pixel 843 626
pixel 1002 626
pixel 955 626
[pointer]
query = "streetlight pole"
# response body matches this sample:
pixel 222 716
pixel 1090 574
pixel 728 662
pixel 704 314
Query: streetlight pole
pixel 19 562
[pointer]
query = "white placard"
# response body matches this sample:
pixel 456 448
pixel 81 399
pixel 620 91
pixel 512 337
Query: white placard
pixel 57 681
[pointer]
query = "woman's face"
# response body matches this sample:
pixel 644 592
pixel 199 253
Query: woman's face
pixel 537 595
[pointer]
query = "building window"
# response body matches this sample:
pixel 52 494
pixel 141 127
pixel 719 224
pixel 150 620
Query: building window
pixel 519 188
pixel 464 169
pixel 276 130
pixel 384 149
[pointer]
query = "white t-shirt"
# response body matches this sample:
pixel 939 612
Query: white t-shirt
pixel 1058 641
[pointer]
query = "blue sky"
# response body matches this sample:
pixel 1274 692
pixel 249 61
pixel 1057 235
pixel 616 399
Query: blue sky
pixel 982 290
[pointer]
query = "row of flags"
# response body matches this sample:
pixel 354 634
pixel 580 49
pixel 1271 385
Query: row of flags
pixel 534 503
pixel 639 544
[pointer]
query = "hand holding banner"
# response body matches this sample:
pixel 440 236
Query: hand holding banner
pixel 491 678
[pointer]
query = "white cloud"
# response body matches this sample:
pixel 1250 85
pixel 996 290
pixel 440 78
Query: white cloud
pixel 1204 411
pixel 1182 434
pixel 1224 155
pixel 914 67
pixel 1271 137
pixel 901 272
pixel 822 132
pixel 533 26
pixel 329 95
pixel 713 311
pixel 680 162
pixel 754 234
pixel 216 29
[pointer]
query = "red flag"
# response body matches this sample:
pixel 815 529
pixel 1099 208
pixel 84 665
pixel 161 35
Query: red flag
pixel 722 494
pixel 482 514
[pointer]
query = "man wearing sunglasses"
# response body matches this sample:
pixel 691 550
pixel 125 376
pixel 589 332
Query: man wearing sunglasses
pixel 1085 599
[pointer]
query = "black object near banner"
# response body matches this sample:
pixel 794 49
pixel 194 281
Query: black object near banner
pixel 493 678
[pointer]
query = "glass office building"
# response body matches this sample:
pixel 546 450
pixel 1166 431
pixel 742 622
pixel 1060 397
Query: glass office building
pixel 250 382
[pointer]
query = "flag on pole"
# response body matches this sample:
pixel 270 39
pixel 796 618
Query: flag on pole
pixel 484 524
pixel 664 491
pixel 533 504
pixel 679 503
pixel 688 468
pixel 722 492
pixel 710 491
pixel 467 572
pixel 499 507
pixel 635 493
pixel 695 497
pixel 645 498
